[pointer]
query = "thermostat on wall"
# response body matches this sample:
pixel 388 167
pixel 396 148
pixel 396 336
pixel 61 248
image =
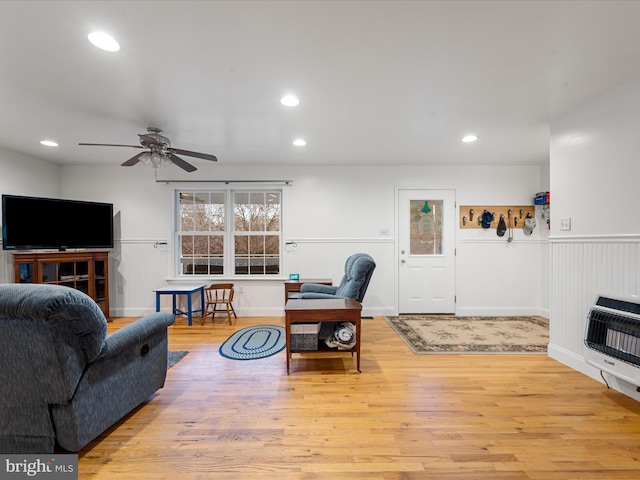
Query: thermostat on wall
pixel 294 276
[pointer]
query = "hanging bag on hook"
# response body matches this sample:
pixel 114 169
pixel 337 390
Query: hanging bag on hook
pixel 502 226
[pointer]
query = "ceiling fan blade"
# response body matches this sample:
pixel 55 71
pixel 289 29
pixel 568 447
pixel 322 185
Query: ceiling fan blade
pixel 204 156
pixel 181 163
pixel 109 145
pixel 133 160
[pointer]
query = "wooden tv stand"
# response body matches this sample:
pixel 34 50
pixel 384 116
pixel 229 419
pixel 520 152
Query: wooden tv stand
pixel 84 271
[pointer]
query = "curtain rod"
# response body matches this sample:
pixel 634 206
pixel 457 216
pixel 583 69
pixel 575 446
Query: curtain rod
pixel 282 182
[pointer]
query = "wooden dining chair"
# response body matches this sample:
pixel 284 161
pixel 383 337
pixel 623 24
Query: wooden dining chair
pixel 218 294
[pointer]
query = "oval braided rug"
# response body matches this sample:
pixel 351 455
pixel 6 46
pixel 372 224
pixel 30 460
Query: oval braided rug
pixel 250 343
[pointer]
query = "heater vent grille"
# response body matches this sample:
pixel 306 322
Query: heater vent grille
pixel 614 334
pixel 619 305
pixel 612 337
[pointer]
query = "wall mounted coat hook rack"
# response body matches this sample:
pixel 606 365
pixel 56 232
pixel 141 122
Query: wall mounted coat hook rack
pixel 510 211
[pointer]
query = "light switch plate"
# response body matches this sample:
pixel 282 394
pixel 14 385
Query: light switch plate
pixel 565 224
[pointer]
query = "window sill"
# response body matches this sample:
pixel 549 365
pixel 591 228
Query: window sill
pixel 222 279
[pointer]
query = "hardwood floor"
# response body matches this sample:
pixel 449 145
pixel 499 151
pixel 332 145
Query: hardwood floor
pixel 405 416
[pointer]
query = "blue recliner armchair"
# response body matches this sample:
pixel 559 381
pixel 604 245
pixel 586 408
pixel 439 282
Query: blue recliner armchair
pixel 63 380
pixel 358 270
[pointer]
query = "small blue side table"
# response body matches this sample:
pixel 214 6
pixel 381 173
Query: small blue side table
pixel 182 290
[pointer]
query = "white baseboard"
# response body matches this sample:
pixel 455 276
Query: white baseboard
pixel 578 363
pixel 501 312
pixel 131 312
pixel 379 311
pixel 572 360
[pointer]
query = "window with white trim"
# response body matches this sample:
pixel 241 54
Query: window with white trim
pixel 229 232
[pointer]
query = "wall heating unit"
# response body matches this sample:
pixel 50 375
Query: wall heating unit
pixel 613 336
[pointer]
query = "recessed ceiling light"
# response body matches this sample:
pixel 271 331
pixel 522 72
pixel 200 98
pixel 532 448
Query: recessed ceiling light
pixel 289 101
pixel 104 41
pixel 299 142
pixel 470 138
pixel 48 143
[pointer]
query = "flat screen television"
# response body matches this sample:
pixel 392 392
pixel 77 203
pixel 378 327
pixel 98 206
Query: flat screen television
pixel 49 223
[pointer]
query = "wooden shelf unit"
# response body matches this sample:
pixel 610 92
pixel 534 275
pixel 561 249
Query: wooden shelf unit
pixel 84 271
pixel 323 310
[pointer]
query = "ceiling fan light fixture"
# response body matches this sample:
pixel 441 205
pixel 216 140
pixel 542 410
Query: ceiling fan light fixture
pixel 104 41
pixel 48 143
pixel 290 101
pixel 159 152
pixel 154 159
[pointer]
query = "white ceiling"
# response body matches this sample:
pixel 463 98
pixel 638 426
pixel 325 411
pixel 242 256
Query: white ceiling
pixel 379 82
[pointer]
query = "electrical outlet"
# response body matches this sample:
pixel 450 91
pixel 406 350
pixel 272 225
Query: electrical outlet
pixel 240 290
pixel 565 223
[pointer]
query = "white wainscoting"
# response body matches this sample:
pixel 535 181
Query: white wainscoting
pixel 324 258
pixel 495 277
pixel 6 266
pixel 136 268
pixel 580 268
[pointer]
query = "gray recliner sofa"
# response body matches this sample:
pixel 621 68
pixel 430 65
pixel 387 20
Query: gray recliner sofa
pixel 358 270
pixel 63 380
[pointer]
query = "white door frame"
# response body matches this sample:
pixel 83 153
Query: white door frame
pixel 397 248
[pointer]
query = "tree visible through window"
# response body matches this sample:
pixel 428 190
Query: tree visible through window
pixel 213 242
pixel 256 233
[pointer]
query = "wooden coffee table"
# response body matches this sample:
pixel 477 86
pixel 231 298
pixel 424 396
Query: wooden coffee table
pixel 315 311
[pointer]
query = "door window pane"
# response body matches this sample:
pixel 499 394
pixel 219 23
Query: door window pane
pixel 426 227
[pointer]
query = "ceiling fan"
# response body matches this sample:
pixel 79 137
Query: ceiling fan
pixel 160 153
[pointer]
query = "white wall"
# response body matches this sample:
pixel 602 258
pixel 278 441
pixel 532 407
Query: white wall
pixel 545 260
pixel 329 212
pixel 23 175
pixel 594 181
pixel 141 209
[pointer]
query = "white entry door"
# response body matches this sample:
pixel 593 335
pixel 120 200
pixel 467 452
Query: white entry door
pixel 426 251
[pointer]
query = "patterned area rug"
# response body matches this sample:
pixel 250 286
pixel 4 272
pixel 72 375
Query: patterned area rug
pixel 254 342
pixel 174 357
pixel 450 334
